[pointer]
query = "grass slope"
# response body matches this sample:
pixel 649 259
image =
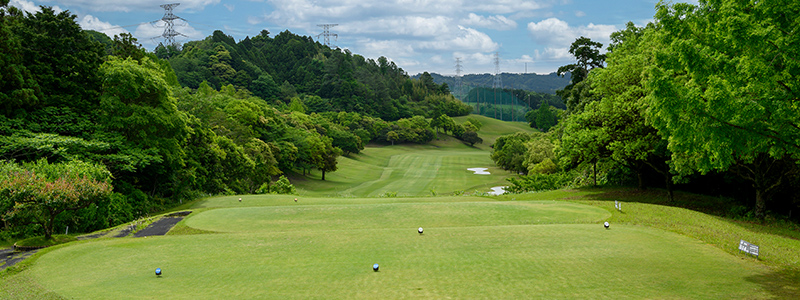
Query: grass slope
pixel 411 170
pixel 471 249
pixel 407 171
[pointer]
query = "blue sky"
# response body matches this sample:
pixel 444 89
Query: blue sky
pixel 418 35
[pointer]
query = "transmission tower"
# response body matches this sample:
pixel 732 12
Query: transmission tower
pixel 458 86
pixel 498 82
pixel 169 18
pixel 327 33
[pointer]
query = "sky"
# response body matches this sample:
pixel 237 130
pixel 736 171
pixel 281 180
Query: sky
pixel 418 35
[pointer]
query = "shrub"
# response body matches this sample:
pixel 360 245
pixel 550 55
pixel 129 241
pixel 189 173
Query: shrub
pixel 283 186
pixel 539 182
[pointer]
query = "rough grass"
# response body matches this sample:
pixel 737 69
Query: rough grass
pixel 41 241
pixel 778 242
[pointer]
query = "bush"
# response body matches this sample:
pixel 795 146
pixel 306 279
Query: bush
pixel 283 186
pixel 540 182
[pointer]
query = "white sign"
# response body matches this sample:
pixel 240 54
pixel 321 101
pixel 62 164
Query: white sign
pixel 748 248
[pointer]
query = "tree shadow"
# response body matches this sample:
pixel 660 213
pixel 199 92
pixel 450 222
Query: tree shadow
pixel 783 284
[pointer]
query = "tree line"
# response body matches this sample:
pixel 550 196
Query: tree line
pixel 705 97
pixel 96 131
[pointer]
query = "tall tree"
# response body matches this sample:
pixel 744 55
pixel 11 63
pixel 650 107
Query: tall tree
pixel 138 104
pixel 62 59
pixel 588 56
pixel 632 141
pixel 726 86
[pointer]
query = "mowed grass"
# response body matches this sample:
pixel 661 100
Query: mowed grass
pixel 470 249
pixel 410 170
pixel 407 171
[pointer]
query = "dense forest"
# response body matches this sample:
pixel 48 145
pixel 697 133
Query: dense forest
pixel 704 99
pixel 544 84
pixel 97 131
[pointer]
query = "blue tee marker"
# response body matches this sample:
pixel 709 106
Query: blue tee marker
pixel 375 267
pixel 158 271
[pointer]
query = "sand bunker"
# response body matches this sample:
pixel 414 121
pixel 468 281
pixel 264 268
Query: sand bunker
pixel 479 171
pixel 498 190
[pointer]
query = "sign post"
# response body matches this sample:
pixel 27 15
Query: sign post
pixel 748 248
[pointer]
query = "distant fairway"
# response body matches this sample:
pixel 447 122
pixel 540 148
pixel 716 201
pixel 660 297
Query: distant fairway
pixel 411 170
pixel 272 247
pixel 408 171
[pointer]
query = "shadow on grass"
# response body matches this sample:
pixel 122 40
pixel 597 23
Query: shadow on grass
pixel 715 206
pixel 781 284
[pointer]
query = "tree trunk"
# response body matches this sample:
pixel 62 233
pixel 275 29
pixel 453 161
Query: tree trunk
pixel 761 204
pixel 323 175
pixel 668 184
pixel 640 178
pixel 594 172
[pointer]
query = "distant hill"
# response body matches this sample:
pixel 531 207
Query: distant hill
pixel 530 82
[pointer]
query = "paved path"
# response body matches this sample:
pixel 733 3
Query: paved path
pixel 160 227
pixel 9 258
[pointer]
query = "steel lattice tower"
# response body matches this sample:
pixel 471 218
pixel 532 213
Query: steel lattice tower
pixel 458 86
pixel 498 82
pixel 169 18
pixel 327 33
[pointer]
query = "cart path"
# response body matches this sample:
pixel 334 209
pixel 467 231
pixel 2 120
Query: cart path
pixel 9 258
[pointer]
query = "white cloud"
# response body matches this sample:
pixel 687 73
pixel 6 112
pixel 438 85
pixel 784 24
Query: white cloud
pixel 497 22
pixel 471 39
pixel 25 6
pixel 128 6
pixel 555 32
pixel 412 26
pixel 31 7
pixel 580 14
pixel 389 49
pixel 89 22
pixel 229 7
pixel 502 6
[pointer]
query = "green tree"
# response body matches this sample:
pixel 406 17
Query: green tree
pixel 392 136
pixel 632 141
pixel 61 58
pixel 471 138
pixel 587 54
pixel 125 45
pixel 137 103
pixel 18 87
pixel 508 151
pixel 540 156
pixel 725 87
pixel 42 191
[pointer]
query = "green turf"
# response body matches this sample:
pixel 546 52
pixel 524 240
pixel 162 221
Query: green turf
pixel 469 250
pixel 407 171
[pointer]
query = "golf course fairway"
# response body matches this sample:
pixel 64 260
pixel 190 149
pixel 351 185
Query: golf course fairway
pixel 268 247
